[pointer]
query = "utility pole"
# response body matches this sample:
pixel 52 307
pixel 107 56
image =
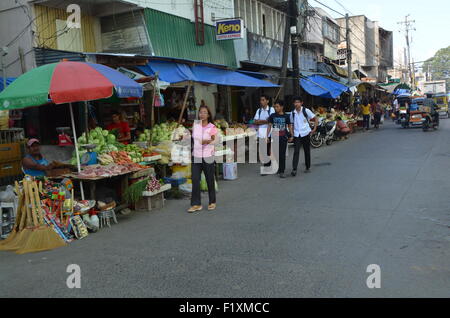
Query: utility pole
pixel 3 53
pixel 284 62
pixel 409 27
pixel 293 17
pixel 349 51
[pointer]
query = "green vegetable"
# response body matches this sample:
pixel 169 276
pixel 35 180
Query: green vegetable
pixel 134 192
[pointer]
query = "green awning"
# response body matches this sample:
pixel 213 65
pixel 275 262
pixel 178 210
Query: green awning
pixel 182 43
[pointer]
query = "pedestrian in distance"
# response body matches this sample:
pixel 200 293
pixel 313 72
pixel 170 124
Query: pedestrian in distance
pixel 301 132
pixel 279 127
pixel 261 120
pixel 377 111
pixel 204 135
pixel 365 111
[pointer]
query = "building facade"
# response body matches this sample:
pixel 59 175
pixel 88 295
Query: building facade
pixel 371 47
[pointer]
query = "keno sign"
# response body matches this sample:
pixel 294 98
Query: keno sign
pixel 229 29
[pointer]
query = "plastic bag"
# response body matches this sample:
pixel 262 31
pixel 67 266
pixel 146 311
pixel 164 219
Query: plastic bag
pixel 204 185
pixel 186 187
pixel 8 195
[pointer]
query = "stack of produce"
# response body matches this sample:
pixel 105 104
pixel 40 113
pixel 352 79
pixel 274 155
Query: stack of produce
pixel 105 141
pixel 221 124
pixel 135 153
pixel 165 150
pixel 238 129
pixel 162 132
pixel 153 185
pixel 135 191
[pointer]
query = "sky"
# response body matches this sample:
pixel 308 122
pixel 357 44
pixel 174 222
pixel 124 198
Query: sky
pixel 432 21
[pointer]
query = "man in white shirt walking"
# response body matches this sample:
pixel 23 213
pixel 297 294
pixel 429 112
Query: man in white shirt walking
pixel 261 120
pixel 300 118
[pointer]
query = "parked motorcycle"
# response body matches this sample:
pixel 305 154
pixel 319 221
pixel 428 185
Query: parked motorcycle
pixel 429 122
pixel 324 134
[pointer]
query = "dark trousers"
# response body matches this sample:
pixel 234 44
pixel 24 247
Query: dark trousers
pixel 283 142
pixel 435 117
pixel 366 121
pixel 208 169
pixel 377 119
pixel 305 143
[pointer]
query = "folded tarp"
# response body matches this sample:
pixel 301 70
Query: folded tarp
pixel 317 85
pixel 178 72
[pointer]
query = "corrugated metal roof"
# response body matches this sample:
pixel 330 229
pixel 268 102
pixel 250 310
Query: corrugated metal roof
pixel 48 56
pixel 172 36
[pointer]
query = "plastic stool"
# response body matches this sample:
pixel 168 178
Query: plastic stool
pixel 106 216
pixel 7 222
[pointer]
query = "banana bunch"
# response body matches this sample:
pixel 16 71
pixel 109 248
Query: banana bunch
pixel 105 159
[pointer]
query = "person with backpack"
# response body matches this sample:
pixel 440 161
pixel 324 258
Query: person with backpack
pixel 301 129
pixel 261 120
pixel 279 127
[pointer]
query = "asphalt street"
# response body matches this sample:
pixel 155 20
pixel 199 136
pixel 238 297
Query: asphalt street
pixel 381 197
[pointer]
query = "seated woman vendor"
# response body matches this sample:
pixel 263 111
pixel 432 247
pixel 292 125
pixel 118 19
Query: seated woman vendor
pixel 123 129
pixel 34 164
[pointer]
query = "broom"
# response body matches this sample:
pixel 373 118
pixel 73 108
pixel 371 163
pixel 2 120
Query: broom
pixel 15 229
pixel 42 238
pixel 24 232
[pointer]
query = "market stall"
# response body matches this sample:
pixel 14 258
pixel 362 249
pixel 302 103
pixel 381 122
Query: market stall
pixel 98 156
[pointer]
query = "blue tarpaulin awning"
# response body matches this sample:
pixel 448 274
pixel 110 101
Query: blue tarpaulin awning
pixel 257 75
pixel 217 76
pixel 173 72
pixel 9 80
pixel 168 71
pixel 317 85
pixel 402 91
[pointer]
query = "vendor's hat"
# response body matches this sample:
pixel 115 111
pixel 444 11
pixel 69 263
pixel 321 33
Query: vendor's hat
pixel 32 141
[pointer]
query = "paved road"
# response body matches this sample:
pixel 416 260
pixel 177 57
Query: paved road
pixel 379 198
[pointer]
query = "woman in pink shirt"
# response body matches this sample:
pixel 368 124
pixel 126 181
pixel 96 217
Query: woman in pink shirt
pixel 204 136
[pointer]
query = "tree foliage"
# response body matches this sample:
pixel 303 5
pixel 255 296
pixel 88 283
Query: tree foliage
pixel 439 66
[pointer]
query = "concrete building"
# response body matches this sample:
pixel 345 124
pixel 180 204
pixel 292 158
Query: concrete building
pixel 371 47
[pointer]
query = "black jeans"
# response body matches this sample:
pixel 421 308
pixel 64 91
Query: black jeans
pixel 366 121
pixel 283 142
pixel 209 171
pixel 298 143
pixel 377 119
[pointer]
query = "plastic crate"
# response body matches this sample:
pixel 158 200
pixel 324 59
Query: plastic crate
pixel 12 135
pixel 175 182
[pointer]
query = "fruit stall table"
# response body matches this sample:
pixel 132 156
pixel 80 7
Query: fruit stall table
pixel 123 178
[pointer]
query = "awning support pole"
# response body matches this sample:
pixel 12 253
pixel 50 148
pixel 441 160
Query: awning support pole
pixel 76 149
pixel 184 102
